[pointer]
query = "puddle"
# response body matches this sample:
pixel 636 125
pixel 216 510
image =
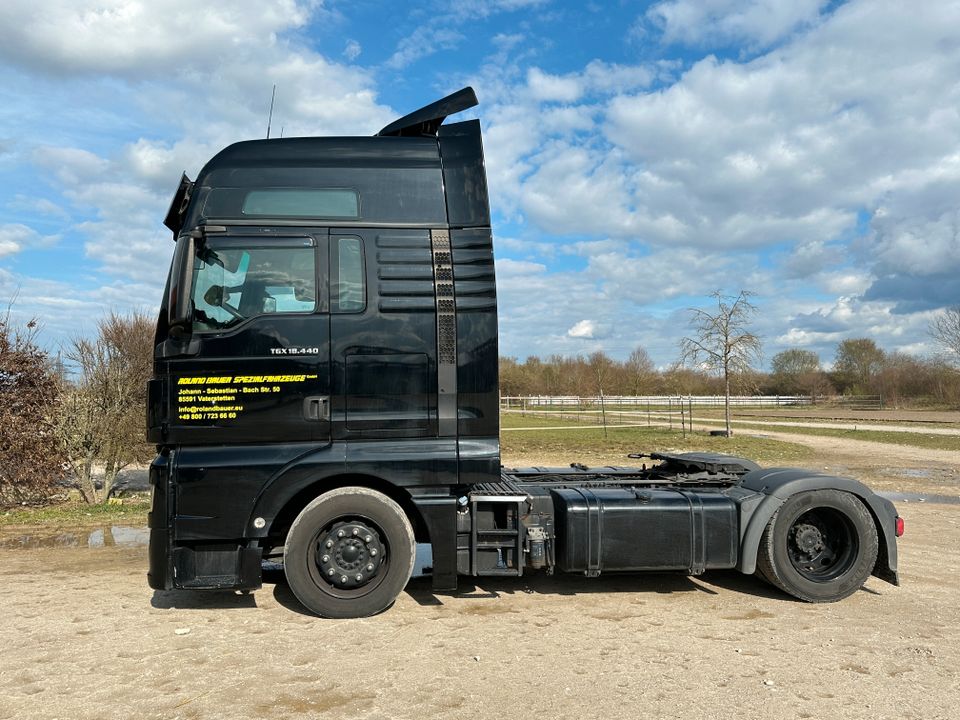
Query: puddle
pixel 114 536
pixel 908 497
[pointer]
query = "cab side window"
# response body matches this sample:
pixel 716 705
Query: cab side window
pixel 350 294
pixel 232 284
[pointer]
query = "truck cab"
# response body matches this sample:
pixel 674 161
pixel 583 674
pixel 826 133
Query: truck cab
pixel 325 389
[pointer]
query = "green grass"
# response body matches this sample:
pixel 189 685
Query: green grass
pixel 590 446
pixel 133 511
pixel 741 428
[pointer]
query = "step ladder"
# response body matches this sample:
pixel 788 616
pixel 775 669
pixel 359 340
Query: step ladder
pixel 496 534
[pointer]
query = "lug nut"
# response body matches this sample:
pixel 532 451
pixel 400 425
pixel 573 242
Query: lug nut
pixel 356 531
pixel 343 578
pixel 325 559
pixel 359 577
pixel 367 538
pixel 330 572
pixel 370 567
pixel 340 534
pixel 373 551
pixel 329 543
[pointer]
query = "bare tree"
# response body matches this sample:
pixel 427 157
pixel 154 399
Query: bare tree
pixel 102 417
pixel 858 362
pixel 601 366
pixel 798 371
pixel 722 342
pixel 642 371
pixel 945 329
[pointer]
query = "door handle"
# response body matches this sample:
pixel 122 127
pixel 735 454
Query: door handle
pixel 316 408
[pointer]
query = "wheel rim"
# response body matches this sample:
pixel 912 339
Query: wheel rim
pixel 348 558
pixel 822 544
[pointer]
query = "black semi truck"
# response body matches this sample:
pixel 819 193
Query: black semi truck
pixel 325 390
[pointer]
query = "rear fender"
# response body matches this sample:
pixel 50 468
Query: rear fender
pixel 776 485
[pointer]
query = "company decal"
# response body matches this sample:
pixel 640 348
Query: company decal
pixel 225 397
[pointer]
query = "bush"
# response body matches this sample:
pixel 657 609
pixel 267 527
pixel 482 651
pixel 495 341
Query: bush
pixel 30 465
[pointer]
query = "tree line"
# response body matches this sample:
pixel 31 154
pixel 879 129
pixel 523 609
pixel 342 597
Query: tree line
pixel 860 367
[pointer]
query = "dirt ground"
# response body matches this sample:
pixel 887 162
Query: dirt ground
pixel 83 637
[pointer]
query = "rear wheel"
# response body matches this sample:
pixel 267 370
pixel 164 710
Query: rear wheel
pixel 820 546
pixel 349 553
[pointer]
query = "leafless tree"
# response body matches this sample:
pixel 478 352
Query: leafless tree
pixel 642 371
pixel 857 364
pixel 945 329
pixel 601 366
pixel 102 418
pixel 722 341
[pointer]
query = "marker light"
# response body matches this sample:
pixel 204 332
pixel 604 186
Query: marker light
pixel 899 526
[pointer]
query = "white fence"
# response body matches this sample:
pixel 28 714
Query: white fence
pixel 615 402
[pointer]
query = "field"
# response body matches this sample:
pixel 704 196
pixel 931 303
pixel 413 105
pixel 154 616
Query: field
pixel 85 638
pixel 887 449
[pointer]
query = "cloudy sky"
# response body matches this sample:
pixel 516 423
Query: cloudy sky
pixel 640 155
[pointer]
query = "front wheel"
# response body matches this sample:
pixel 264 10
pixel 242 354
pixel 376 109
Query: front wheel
pixel 349 553
pixel 820 546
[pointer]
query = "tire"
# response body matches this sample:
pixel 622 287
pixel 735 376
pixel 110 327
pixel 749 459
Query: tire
pixel 820 546
pixel 349 553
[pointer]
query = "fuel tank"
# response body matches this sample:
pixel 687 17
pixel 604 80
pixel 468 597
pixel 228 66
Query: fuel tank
pixel 630 529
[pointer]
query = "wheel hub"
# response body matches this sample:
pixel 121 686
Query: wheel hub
pixel 349 554
pixel 808 539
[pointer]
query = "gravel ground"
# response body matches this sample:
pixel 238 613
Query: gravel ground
pixel 84 637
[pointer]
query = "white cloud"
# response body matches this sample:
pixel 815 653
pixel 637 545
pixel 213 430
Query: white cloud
pixel 544 87
pixel 140 37
pixel 425 40
pixel 209 99
pixel 520 268
pixel 583 329
pixel 755 22
pixel 352 50
pixel 15 237
pixel 794 141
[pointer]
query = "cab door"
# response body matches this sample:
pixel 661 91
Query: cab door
pixel 258 364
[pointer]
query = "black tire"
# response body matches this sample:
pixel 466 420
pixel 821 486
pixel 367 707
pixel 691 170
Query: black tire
pixel 820 546
pixel 364 538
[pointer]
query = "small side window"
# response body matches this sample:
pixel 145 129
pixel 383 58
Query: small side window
pixel 349 292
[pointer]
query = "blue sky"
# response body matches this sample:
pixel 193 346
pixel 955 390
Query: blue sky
pixel 640 155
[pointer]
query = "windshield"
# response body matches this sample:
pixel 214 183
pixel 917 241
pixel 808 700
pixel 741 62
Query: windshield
pixel 231 284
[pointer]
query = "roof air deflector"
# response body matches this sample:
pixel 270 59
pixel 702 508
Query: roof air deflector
pixel 427 120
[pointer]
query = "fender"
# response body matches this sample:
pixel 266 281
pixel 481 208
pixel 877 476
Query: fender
pixel 409 463
pixel 776 485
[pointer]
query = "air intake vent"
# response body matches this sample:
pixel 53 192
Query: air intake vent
pixel 446 332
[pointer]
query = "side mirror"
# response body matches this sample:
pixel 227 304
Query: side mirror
pixel 214 296
pixel 179 305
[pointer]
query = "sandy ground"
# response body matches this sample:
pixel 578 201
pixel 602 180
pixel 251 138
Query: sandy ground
pixel 84 637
